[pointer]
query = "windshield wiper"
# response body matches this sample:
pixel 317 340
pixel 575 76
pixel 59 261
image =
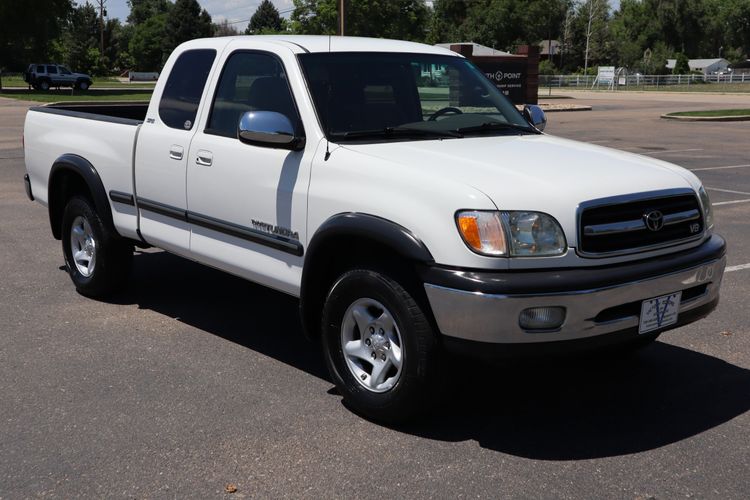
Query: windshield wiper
pixel 395 132
pixel 492 126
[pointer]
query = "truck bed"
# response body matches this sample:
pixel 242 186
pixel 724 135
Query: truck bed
pixel 103 135
pixel 124 113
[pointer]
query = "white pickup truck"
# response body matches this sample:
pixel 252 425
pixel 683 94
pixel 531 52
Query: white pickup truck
pixel 414 211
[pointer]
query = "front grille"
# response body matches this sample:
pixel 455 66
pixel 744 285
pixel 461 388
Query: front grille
pixel 622 227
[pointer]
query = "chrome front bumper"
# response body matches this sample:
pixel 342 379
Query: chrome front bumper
pixel 493 318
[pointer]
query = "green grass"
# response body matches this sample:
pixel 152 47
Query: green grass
pixel 713 112
pixel 63 96
pixel 101 82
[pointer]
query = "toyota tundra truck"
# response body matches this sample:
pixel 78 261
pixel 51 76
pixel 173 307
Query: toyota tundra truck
pixel 415 212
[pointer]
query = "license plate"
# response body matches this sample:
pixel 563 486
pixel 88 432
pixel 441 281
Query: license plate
pixel 659 312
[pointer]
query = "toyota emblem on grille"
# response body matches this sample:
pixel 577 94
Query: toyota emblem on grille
pixel 654 220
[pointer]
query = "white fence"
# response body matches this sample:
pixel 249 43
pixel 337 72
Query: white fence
pixel 623 81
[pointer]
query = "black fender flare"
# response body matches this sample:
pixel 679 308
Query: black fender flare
pixel 84 169
pixel 357 225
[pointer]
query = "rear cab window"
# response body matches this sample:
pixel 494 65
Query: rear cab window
pixel 182 93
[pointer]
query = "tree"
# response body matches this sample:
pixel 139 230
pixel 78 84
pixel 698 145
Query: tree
pixel 315 17
pixel 187 21
pixel 732 18
pixel 681 66
pixel 265 20
pixel 589 46
pixel 447 18
pixel 116 41
pixel 398 19
pixel 142 10
pixel 28 31
pixel 501 24
pixel 223 28
pixel 596 13
pixel 635 29
pixel 146 43
pixel 82 34
pixel 147 32
pixel 655 60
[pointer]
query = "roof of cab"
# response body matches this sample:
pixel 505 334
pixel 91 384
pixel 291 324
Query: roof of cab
pixel 324 43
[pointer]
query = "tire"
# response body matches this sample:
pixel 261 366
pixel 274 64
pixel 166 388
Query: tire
pixel 405 350
pixel 83 85
pixel 98 261
pixel 43 85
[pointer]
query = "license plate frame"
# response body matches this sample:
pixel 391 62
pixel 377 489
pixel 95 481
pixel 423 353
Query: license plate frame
pixel 658 312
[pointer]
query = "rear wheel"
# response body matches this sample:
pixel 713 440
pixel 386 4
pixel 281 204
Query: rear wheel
pixel 44 85
pixel 379 346
pixel 98 261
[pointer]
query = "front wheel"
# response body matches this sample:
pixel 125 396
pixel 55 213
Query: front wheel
pixel 83 85
pixel 379 346
pixel 98 261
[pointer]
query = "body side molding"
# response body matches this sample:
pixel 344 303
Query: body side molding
pixel 120 197
pixel 277 242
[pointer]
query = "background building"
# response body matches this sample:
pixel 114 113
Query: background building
pixel 705 66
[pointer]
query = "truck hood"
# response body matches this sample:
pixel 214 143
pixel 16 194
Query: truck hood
pixel 534 172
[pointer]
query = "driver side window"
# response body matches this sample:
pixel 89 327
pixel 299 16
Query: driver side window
pixel 250 82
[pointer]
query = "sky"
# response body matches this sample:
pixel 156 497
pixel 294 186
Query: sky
pixel 232 10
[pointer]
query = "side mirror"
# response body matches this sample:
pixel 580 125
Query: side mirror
pixel 535 116
pixel 269 129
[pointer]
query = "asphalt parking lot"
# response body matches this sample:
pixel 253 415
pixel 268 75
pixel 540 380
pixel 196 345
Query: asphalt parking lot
pixel 193 379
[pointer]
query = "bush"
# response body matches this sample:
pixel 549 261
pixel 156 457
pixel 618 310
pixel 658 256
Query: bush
pixel 547 68
pixel 681 66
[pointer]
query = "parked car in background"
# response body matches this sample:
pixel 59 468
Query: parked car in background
pixel 46 76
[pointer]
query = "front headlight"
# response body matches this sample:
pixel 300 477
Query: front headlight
pixel 534 234
pixel 518 234
pixel 708 211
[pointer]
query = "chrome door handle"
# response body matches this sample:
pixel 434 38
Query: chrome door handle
pixel 176 152
pixel 204 158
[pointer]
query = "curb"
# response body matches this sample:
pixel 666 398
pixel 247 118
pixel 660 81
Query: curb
pixel 735 118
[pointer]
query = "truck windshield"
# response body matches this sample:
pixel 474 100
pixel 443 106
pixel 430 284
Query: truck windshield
pixel 386 96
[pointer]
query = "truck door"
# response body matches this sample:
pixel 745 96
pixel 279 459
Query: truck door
pixel 247 204
pixel 162 152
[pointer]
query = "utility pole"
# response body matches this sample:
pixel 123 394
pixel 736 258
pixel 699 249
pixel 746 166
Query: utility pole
pixel 102 13
pixel 341 17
